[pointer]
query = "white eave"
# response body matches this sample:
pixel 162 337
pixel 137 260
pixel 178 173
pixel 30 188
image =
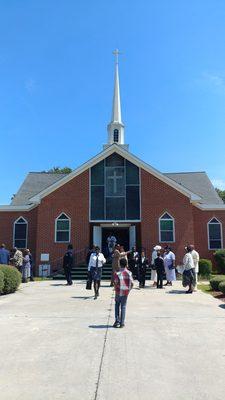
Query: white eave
pixel 130 157
pixel 9 208
pixel 210 207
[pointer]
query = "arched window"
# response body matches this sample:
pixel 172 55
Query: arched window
pixel 116 135
pixel 166 228
pixel 20 233
pixel 215 241
pixel 62 229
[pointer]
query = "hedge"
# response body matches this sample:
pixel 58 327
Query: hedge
pixel 1 282
pixel 12 278
pixel 205 267
pixel 221 287
pixel 219 256
pixel 214 282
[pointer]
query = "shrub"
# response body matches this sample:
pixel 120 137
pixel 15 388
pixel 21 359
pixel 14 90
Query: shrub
pixel 1 281
pixel 221 287
pixel 205 267
pixel 214 282
pixel 219 256
pixel 12 278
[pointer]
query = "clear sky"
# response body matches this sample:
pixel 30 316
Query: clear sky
pixel 56 83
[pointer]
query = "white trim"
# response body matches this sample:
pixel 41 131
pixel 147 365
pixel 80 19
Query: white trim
pixel 167 219
pixel 115 226
pixel 210 207
pixel 221 233
pixel 66 219
pixel 25 208
pixel 14 224
pixel 124 153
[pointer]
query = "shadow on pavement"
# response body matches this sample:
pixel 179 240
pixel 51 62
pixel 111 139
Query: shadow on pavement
pixel 82 297
pixel 59 284
pixel 100 326
pixel 222 306
pixel 176 292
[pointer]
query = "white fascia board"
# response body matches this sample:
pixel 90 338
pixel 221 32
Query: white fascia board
pixel 126 154
pixel 211 207
pixel 17 208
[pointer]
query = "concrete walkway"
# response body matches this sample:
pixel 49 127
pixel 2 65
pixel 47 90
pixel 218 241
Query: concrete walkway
pixel 58 343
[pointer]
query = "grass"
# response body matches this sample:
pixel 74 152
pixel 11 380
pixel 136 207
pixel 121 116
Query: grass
pixel 206 288
pixel 42 279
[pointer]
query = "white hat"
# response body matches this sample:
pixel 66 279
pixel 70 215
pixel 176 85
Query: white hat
pixel 157 247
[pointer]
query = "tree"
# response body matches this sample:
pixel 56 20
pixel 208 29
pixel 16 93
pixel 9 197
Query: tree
pixel 58 170
pixel 221 193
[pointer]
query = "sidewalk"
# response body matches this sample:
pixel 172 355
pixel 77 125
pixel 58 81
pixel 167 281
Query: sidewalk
pixel 58 343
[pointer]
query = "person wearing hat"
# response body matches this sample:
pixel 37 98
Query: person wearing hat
pixel 153 268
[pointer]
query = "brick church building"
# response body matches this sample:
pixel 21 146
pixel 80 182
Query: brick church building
pixel 114 192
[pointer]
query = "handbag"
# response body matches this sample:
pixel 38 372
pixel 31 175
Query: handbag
pixel 89 281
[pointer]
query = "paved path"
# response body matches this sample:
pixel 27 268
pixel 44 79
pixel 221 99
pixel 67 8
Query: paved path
pixel 57 343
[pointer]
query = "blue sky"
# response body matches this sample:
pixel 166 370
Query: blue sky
pixel 56 83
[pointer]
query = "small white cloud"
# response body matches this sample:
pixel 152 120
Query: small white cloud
pixel 30 85
pixel 219 183
pixel 214 80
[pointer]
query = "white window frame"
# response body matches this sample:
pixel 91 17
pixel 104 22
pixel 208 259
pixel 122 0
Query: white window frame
pixel 166 219
pixel 14 231
pixel 67 219
pixel 221 233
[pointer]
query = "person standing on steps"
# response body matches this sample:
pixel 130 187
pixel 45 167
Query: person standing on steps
pixel 68 260
pixel 97 260
pixel 123 283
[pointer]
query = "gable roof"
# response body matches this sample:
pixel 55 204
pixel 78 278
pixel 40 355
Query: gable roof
pixel 34 183
pixel 199 183
pixel 195 185
pixel 114 148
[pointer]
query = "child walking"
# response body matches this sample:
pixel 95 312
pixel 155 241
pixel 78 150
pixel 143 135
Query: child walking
pixel 123 283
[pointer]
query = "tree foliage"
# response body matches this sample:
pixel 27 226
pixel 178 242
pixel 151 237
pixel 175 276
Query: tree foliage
pixel 58 170
pixel 221 193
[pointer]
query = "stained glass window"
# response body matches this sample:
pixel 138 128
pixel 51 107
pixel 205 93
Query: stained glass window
pixel 166 226
pixel 20 233
pixel 215 234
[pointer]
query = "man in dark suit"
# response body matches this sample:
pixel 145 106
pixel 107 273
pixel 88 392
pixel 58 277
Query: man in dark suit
pixel 68 263
pixel 142 267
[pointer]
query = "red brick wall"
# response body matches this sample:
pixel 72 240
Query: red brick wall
pixel 201 218
pixel 72 199
pixel 156 199
pixel 7 220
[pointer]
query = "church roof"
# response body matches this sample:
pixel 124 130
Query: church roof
pixel 33 184
pixel 199 183
pixel 195 182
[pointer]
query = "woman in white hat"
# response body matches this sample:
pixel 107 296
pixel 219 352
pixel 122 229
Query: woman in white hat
pixel 153 270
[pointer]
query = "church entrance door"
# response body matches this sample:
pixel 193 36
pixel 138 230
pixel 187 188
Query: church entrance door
pixel 121 235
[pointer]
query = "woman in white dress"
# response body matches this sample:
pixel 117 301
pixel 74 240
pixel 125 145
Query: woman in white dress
pixel 169 265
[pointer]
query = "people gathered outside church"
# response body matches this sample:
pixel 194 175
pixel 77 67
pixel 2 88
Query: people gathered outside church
pixel 159 267
pixel 123 283
pixel 195 256
pixel 4 255
pixel 169 265
pixel 189 270
pixel 111 242
pixel 133 262
pixel 153 269
pixel 68 261
pixel 96 262
pixel 17 259
pixel 25 267
pixel 142 268
pixel 117 255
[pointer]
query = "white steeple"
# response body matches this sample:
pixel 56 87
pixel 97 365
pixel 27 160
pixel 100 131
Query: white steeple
pixel 116 126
